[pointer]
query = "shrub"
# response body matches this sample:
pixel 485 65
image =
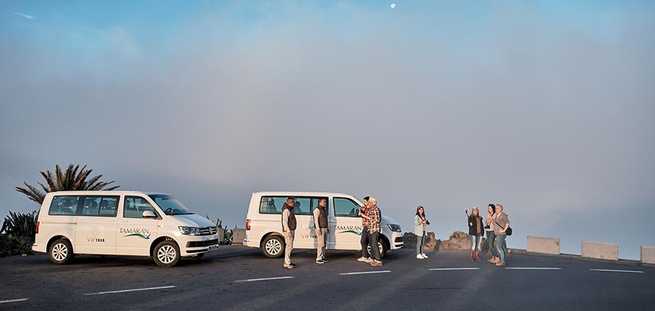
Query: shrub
pixel 17 233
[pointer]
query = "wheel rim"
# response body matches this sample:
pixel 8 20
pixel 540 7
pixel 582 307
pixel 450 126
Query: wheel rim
pixel 273 247
pixel 166 254
pixel 59 251
pixel 380 247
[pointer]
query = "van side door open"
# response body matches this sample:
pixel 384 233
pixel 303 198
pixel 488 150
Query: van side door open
pixel 348 229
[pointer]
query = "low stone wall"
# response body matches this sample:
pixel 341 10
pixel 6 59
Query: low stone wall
pixel 648 254
pixel 543 245
pixel 600 250
pixel 238 235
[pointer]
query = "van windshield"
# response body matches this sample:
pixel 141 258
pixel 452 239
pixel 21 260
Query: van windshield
pixel 170 205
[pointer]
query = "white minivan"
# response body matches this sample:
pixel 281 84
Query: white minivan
pixel 264 227
pixel 124 223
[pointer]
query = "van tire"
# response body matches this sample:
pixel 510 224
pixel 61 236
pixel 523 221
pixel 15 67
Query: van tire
pixel 60 251
pixel 166 254
pixel 273 246
pixel 382 246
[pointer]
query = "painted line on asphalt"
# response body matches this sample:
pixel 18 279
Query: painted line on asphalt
pixel 14 300
pixel 129 290
pixel 619 271
pixel 454 269
pixel 365 272
pixel 264 279
pixel 533 268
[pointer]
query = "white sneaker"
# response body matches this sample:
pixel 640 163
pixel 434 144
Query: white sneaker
pixel 419 256
pixel 424 256
pixel 363 259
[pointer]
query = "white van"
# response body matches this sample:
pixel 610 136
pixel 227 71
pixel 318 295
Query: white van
pixel 264 226
pixel 124 223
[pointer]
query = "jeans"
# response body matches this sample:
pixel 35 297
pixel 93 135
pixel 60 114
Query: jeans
pixel 364 242
pixel 373 243
pixel 501 247
pixel 475 242
pixel 321 235
pixel 288 246
pixel 420 242
pixel 491 245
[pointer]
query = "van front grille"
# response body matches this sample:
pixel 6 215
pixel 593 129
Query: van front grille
pixel 207 231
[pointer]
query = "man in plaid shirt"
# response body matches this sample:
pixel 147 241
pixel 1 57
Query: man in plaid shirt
pixel 373 220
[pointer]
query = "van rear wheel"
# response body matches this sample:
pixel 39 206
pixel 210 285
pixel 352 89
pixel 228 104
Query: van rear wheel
pixel 61 251
pixel 166 254
pixel 273 246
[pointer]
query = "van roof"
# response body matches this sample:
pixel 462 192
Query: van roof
pixel 301 193
pixel 102 192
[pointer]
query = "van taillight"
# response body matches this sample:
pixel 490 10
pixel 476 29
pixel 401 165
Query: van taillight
pixel 36 227
pixel 247 224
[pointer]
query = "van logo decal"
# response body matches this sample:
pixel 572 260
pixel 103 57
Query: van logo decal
pixel 140 232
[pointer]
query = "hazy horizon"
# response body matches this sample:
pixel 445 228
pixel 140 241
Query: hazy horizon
pixel 546 107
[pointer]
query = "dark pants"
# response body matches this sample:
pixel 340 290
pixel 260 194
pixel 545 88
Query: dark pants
pixel 364 242
pixel 373 243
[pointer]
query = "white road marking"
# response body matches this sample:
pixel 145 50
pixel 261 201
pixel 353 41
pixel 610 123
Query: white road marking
pixel 264 279
pixel 129 290
pixel 14 300
pixel 620 271
pixel 365 272
pixel 533 268
pixel 453 269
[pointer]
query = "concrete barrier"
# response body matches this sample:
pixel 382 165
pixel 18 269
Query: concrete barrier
pixel 238 235
pixel 600 250
pixel 543 245
pixel 648 254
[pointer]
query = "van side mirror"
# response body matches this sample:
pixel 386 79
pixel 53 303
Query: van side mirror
pixel 148 214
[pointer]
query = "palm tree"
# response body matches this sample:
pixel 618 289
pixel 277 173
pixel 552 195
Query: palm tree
pixel 74 178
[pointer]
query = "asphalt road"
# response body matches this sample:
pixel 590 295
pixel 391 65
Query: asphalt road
pixel 236 278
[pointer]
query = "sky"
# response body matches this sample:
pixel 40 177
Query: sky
pixel 544 106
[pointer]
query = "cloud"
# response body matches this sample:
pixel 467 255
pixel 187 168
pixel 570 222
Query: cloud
pixel 23 15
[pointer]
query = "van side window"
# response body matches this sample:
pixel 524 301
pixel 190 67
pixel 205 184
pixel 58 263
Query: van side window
pixel 273 205
pixel 63 205
pixel 135 206
pixel 345 207
pixel 108 206
pixel 98 206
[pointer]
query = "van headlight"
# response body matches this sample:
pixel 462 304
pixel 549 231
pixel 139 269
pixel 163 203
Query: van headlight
pixel 189 230
pixel 394 227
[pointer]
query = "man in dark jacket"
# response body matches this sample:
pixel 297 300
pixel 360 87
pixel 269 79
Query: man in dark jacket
pixel 289 229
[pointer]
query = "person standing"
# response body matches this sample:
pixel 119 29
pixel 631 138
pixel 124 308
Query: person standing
pixel 476 229
pixel 289 229
pixel 489 231
pixel 501 223
pixel 364 238
pixel 321 225
pixel 373 214
pixel 420 224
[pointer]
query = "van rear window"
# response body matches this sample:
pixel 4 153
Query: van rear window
pixel 63 205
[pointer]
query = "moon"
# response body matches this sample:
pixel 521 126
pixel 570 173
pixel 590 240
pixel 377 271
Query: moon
pixel 393 5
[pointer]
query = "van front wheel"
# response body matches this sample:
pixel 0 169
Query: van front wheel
pixel 166 254
pixel 273 246
pixel 60 251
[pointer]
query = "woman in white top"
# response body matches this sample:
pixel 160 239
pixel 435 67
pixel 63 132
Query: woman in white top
pixel 420 224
